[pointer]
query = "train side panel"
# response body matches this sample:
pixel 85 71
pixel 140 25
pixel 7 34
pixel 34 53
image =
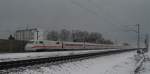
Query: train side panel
pixel 52 45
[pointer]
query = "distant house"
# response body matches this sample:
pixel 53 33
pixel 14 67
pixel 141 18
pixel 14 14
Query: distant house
pixel 29 34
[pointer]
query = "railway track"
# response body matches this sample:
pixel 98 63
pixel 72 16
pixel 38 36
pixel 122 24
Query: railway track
pixel 23 63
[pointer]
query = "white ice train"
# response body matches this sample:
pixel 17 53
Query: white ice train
pixel 41 45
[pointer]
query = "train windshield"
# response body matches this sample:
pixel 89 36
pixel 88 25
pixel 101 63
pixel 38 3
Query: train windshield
pixel 41 42
pixel 31 42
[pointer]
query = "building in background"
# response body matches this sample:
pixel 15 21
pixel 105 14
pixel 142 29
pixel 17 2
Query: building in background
pixel 29 34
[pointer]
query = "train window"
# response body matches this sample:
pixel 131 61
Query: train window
pixel 74 44
pixel 57 42
pixel 31 42
pixel 41 42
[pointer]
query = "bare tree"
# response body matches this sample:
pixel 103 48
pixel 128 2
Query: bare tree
pixel 64 35
pixel 78 36
pixel 11 37
pixel 53 35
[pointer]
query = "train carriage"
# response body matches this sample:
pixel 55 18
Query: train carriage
pixel 35 45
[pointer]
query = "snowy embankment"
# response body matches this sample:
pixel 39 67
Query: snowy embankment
pixel 34 55
pixel 123 63
pixel 145 68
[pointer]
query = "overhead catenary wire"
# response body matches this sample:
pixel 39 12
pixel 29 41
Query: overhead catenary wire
pixel 92 11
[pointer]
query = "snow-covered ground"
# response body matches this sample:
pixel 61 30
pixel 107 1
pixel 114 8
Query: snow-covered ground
pixel 145 68
pixel 123 63
pixel 34 55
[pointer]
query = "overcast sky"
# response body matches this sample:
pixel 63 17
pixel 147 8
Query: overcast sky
pixel 108 17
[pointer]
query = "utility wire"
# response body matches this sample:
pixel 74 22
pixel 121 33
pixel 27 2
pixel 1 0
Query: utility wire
pixel 91 11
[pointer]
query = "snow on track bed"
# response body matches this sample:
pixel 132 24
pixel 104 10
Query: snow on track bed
pixel 145 68
pixel 122 63
pixel 34 55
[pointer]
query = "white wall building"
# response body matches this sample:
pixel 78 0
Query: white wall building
pixel 29 34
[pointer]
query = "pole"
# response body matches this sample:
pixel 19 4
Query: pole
pixel 37 35
pixel 61 38
pixel 139 51
pixel 146 42
pixel 138 32
pixel 147 37
pixel 84 43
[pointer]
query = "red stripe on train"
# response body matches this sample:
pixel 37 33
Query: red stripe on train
pixel 46 46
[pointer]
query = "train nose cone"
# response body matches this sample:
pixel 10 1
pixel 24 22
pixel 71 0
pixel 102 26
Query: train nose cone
pixel 29 47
